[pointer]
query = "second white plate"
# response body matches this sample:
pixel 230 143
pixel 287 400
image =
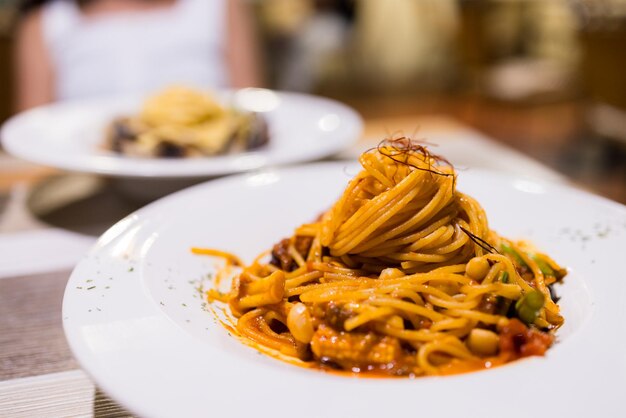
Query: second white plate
pixel 69 135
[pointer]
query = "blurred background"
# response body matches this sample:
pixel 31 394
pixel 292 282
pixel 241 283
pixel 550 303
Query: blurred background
pixel 547 78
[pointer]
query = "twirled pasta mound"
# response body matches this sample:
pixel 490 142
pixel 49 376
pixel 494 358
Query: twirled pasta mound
pixel 401 277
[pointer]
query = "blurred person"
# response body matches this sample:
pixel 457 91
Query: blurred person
pixel 69 49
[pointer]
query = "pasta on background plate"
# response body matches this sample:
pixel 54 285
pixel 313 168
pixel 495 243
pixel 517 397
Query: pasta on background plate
pixel 183 122
pixel 401 277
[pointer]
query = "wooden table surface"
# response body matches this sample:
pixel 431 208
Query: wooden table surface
pixel 38 375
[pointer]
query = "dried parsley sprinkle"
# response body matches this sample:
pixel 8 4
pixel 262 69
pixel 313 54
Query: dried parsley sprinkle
pixel 184 304
pixel 131 269
pixel 79 287
pixel 89 281
pixel 91 287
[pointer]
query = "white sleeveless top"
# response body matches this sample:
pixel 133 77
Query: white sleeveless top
pixel 136 52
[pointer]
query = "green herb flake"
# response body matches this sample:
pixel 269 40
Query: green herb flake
pixel 91 287
pixel 131 269
pixel 200 289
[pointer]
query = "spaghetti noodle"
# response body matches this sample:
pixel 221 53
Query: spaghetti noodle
pixel 401 277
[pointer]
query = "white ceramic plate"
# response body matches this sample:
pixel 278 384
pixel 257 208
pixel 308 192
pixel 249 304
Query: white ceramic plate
pixel 134 320
pixel 69 135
